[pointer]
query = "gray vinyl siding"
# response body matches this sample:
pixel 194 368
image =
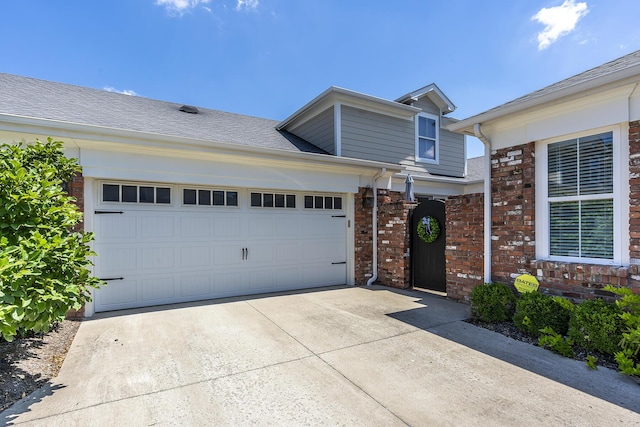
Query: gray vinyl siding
pixel 427 106
pixel 372 136
pixel 451 155
pixel 319 131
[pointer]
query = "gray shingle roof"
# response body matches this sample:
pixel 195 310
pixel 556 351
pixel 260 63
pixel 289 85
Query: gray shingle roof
pixel 24 96
pixel 475 169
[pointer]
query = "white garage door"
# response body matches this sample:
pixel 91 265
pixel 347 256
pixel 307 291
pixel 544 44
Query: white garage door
pixel 160 244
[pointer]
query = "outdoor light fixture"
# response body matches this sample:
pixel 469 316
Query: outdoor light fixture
pixel 367 198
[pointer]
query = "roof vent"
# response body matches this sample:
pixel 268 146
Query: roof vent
pixel 189 109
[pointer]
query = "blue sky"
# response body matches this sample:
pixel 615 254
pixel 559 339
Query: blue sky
pixel 267 58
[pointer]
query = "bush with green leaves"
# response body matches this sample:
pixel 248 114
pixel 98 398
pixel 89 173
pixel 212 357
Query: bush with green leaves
pixel 597 325
pixel 44 264
pixel 535 311
pixel 492 302
pixel 628 357
pixel 556 342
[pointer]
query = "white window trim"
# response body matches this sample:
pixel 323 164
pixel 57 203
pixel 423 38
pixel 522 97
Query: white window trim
pixel 417 147
pixel 620 198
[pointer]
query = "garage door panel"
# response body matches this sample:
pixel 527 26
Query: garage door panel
pixel 117 293
pixel 227 255
pixel 260 227
pixel 193 227
pixel 288 277
pixel 156 227
pixel 287 226
pixel 195 285
pixel 116 227
pixel 157 288
pixel 260 253
pixel 227 227
pixel 322 250
pixel 158 258
pixel 114 259
pixel 226 283
pixel 287 252
pixel 258 280
pixel 194 256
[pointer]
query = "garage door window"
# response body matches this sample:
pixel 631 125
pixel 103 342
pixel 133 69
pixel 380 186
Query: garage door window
pixel 202 197
pixel 273 200
pixel 323 202
pixel 135 194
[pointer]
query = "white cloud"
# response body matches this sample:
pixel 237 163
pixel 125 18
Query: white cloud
pixel 124 92
pixel 247 4
pixel 178 7
pixel 559 21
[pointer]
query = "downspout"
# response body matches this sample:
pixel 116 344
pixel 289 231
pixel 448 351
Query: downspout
pixel 374 227
pixel 487 201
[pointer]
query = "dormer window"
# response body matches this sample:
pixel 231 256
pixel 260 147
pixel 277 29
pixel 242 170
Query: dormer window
pixel 427 149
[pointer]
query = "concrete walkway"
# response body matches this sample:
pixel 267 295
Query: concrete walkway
pixel 335 356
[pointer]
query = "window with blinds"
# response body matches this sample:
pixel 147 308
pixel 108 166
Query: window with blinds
pixel 580 193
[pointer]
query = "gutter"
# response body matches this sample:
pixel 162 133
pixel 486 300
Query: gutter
pixel 374 224
pixel 487 201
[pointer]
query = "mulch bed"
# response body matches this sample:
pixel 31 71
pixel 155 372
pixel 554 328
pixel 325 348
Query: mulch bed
pixel 510 330
pixel 28 363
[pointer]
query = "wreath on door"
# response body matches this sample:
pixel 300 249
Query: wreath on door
pixel 428 229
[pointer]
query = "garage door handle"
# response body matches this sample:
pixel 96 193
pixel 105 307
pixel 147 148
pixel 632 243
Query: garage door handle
pixel 336 263
pixel 112 278
pixel 245 253
pixel 338 216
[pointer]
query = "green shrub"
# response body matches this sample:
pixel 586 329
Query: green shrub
pixel 535 312
pixel 597 325
pixel 555 342
pixel 629 357
pixel 492 302
pixel 43 262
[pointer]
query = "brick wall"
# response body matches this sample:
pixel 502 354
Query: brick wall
pixel 393 239
pixel 512 211
pixel 363 232
pixel 465 244
pixel 76 189
pixel 634 194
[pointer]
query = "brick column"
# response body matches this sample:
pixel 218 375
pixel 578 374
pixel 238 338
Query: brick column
pixel 393 239
pixel 513 211
pixel 634 206
pixel 75 189
pixel 465 244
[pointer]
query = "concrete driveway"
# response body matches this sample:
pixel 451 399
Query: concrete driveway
pixel 335 356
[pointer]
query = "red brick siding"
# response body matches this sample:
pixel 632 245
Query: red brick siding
pixel 465 244
pixel 76 190
pixel 363 240
pixel 634 194
pixel 580 281
pixel 513 211
pixel 394 263
pixel 393 239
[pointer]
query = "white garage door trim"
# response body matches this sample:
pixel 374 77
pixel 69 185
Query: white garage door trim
pixel 155 252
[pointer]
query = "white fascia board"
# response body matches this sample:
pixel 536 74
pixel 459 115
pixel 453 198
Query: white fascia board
pixel 350 98
pixel 433 178
pixel 619 78
pixel 125 138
